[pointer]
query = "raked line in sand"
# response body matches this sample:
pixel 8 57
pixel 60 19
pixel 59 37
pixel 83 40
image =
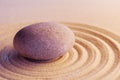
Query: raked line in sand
pixel 95 56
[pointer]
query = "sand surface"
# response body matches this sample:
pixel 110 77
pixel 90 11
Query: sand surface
pixel 95 56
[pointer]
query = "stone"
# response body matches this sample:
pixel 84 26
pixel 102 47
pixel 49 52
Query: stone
pixel 44 41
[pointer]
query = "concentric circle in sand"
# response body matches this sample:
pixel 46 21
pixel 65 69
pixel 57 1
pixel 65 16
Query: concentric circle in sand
pixel 95 56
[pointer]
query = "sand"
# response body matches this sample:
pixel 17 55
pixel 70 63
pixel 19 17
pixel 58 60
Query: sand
pixel 95 56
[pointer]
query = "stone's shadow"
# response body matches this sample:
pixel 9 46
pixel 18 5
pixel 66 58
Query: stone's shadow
pixel 37 61
pixel 41 61
pixel 10 53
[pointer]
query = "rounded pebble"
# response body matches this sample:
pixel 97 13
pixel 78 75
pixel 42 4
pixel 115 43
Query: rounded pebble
pixel 44 41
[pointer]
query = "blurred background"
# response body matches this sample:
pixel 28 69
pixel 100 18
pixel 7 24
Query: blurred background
pixel 101 13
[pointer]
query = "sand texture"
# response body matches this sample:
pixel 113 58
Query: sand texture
pixel 95 56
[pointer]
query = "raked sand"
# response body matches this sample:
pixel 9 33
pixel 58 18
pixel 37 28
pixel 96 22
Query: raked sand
pixel 95 56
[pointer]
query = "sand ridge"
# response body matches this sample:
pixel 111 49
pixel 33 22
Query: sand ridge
pixel 95 56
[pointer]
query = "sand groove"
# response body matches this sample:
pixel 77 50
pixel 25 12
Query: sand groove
pixel 95 56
